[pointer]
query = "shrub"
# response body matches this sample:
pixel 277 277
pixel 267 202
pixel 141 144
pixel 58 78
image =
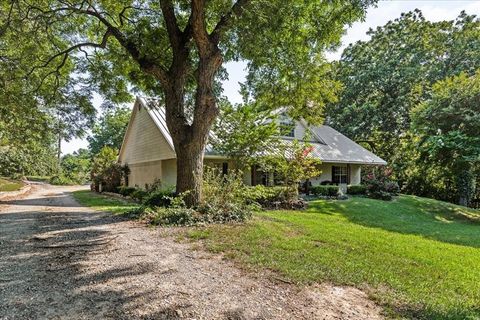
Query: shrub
pixel 357 190
pixel 61 180
pixel 263 194
pixel 139 195
pixel 159 198
pixel 273 198
pixel 126 191
pixel 106 171
pixel 179 216
pixel 379 184
pixel 224 197
pixel 325 191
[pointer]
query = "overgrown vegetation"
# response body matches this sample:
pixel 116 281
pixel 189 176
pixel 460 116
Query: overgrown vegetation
pixel 401 102
pixel 419 258
pixel 107 174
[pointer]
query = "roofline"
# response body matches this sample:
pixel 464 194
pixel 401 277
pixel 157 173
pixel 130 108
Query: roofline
pixel 162 129
pixel 128 129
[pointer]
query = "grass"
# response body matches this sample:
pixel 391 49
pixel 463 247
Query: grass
pixel 103 203
pixel 419 258
pixel 10 185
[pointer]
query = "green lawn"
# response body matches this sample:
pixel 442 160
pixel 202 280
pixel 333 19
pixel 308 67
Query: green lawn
pixel 419 258
pixel 10 185
pixel 102 203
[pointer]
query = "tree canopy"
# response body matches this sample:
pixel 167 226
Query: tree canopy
pixel 388 75
pixel 175 50
pixel 449 128
pixel 109 130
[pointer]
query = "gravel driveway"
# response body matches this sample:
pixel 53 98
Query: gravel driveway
pixel 59 260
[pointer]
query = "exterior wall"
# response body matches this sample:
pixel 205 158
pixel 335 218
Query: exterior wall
pixel 144 173
pixel 144 141
pixel 169 172
pixel 355 173
pixel 326 175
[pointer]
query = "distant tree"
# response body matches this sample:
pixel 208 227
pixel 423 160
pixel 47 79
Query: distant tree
pixel 176 49
pixel 76 167
pixel 449 127
pixel 387 76
pixel 109 130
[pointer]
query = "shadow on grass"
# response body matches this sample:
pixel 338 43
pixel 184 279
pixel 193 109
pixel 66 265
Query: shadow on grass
pixel 428 218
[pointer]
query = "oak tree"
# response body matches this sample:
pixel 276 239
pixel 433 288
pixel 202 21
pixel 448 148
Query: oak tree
pixel 175 50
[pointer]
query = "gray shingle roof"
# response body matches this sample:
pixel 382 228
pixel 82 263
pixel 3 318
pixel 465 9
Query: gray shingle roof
pixel 328 144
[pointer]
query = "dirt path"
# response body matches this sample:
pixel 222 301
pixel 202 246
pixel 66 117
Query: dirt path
pixel 59 260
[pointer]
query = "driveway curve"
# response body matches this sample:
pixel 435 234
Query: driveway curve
pixel 59 260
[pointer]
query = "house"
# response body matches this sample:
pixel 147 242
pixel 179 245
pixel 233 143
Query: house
pixel 148 150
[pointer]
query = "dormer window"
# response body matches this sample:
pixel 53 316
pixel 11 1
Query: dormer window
pixel 287 127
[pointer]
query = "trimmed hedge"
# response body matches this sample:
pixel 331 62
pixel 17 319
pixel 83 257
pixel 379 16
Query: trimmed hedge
pixel 357 190
pixel 325 191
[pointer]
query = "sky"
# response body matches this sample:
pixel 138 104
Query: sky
pixel 376 16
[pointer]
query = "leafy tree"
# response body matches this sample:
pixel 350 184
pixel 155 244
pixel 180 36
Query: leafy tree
pixel 388 75
pixel 292 164
pixel 106 171
pixel 244 132
pixel 449 127
pixel 175 50
pixel 76 167
pixel 109 130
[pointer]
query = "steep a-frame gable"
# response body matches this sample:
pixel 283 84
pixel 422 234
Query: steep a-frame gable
pixel 144 141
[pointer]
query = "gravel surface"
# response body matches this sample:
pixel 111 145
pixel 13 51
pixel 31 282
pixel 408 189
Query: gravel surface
pixel 59 260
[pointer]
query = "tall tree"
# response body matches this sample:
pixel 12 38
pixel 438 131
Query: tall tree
pixel 109 130
pixel 449 127
pixel 388 75
pixel 175 50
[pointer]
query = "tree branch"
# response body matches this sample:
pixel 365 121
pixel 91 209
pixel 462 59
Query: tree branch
pixel 174 32
pixel 227 19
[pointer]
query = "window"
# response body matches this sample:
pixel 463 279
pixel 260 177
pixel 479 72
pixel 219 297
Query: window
pixel 288 129
pixel 339 174
pixel 287 126
pixel 225 168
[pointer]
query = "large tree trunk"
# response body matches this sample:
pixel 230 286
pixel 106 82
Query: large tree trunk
pixel 190 171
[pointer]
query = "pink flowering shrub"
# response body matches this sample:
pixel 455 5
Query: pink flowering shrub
pixel 379 183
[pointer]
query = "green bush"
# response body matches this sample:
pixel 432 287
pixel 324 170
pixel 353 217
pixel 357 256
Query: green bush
pixel 139 195
pixel 126 191
pixel 273 198
pixel 178 216
pixel 263 194
pixel 325 191
pixel 224 197
pixel 357 190
pixel 380 185
pixel 159 198
pixel 61 180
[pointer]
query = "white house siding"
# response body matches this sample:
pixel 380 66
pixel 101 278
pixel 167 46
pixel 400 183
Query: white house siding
pixel 144 141
pixel 355 174
pixel 144 173
pixel 169 170
pixel 144 149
